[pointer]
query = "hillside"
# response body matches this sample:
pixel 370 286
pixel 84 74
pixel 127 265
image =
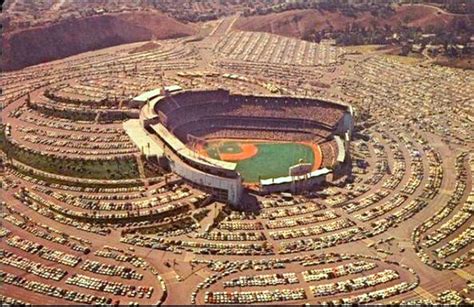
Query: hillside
pixel 298 23
pixel 68 37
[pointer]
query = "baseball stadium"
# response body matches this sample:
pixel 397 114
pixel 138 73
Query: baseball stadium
pixel 228 142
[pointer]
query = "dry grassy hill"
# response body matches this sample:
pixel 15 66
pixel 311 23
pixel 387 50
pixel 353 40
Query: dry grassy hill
pixel 297 23
pixel 32 46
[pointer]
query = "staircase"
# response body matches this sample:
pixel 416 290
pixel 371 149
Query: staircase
pixel 141 170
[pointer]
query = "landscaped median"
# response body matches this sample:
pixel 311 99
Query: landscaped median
pixel 105 168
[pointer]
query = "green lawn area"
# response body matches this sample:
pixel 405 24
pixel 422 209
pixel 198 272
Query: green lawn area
pixel 100 169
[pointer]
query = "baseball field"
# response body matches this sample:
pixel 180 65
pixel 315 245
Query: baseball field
pixel 262 159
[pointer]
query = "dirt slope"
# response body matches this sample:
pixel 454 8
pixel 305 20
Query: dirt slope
pixel 37 45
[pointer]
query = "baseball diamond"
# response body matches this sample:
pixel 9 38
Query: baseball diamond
pixel 261 159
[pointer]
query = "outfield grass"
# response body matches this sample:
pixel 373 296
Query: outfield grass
pixel 272 160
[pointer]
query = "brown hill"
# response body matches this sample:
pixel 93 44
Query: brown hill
pixel 145 47
pixel 296 23
pixel 68 37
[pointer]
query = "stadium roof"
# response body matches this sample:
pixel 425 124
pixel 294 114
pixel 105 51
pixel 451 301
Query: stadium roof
pixel 143 97
pixel 173 88
pixel 147 95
